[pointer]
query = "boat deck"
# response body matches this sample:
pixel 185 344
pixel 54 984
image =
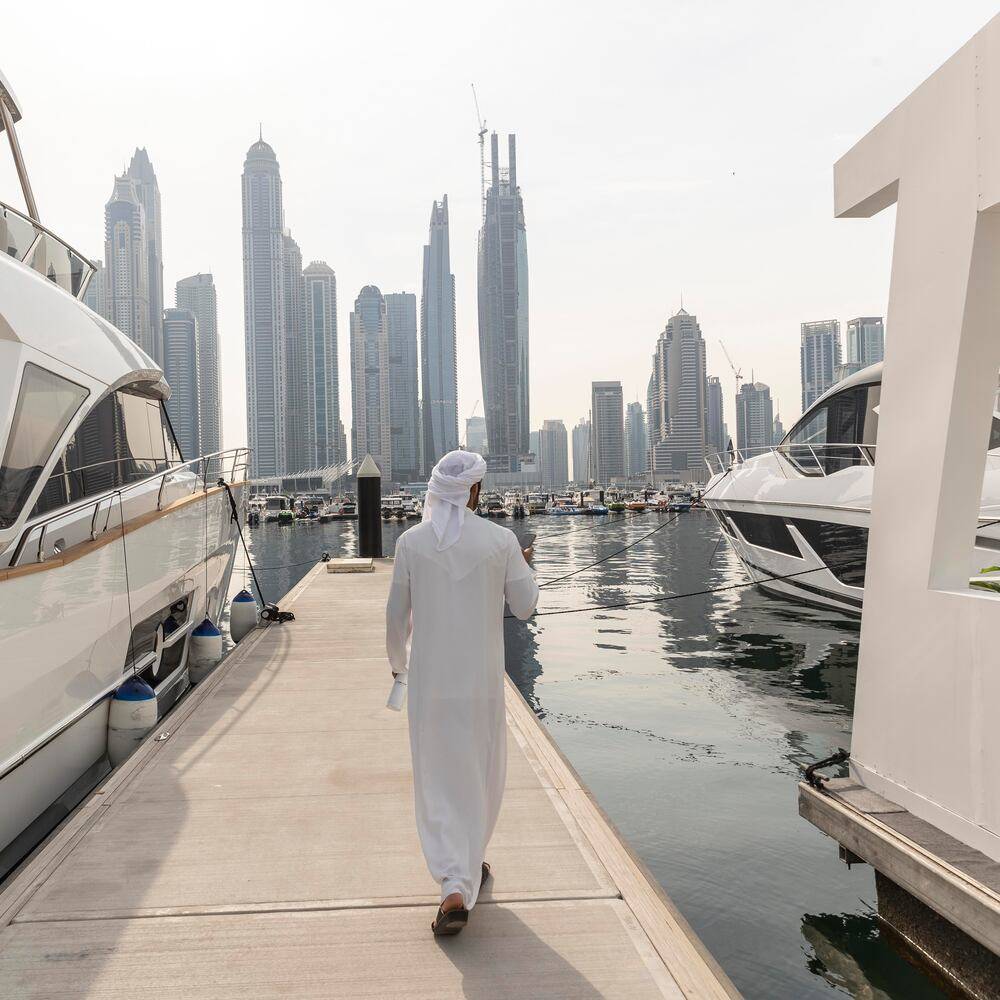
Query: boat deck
pixel 262 844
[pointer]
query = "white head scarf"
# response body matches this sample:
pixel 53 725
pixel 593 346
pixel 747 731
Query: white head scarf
pixel 448 494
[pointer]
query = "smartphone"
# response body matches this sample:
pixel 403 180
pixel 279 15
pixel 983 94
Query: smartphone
pixel 527 540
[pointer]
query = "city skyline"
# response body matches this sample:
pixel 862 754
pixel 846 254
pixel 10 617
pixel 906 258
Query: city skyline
pixel 755 308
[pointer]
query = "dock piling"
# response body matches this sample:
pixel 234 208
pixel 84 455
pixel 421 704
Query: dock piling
pixel 369 510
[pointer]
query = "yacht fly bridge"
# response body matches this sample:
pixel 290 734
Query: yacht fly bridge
pixel 114 547
pixel 797 514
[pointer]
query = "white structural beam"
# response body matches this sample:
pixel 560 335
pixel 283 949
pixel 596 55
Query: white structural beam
pixel 925 731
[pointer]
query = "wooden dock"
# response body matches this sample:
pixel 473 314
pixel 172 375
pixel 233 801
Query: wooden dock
pixel 261 844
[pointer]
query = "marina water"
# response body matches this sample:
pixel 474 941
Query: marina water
pixel 688 720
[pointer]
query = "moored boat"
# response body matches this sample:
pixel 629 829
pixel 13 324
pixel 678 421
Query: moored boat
pixel 797 514
pixel 113 546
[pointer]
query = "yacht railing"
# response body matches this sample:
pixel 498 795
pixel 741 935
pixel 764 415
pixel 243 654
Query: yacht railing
pixel 51 534
pixel 33 244
pixel 806 459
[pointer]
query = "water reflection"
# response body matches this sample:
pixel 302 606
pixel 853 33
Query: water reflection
pixel 689 720
pixel 849 951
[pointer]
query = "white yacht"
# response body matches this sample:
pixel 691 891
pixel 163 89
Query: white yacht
pixel 797 514
pixel 113 546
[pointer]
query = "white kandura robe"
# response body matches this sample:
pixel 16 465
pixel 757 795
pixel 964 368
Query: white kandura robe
pixel 458 730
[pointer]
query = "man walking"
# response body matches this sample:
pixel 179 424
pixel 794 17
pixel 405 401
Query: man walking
pixel 451 577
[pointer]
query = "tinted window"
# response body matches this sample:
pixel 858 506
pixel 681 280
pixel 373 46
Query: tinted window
pixel 122 440
pixel 765 530
pixel 45 406
pixel 843 547
pixel 824 440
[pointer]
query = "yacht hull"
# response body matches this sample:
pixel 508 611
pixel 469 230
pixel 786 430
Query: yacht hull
pixel 67 628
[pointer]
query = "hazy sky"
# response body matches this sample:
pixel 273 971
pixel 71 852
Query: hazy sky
pixel 664 149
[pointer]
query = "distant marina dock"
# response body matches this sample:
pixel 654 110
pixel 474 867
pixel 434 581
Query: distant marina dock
pixel 261 843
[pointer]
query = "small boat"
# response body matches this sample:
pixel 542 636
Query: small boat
pixel 536 503
pixel 286 517
pixel 413 509
pixel 392 508
pixel 590 502
pixel 343 508
pixel 274 505
pixel 514 504
pixel 615 501
pixel 679 502
pixel 492 505
pixel 562 506
pixel 256 507
pixel 636 502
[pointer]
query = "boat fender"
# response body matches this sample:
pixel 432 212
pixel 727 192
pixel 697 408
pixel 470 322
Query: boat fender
pixel 204 651
pixel 242 615
pixel 133 713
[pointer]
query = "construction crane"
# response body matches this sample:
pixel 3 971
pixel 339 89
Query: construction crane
pixel 474 408
pixel 736 371
pixel 482 153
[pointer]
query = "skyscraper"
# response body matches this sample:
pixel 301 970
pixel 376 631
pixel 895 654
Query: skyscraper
pixel 475 435
pixel 553 454
pixel 581 451
pixel 865 340
pixel 754 418
pixel 677 403
pixel 778 430
pixel 438 359
pixel 264 310
pixel 607 433
pixel 197 294
pixel 300 433
pixel 503 314
pixel 636 448
pixel 404 406
pixel 820 358
pixel 126 263
pixel 715 426
pixel 140 169
pixel 180 367
pixel 322 367
pixel 96 296
pixel 370 380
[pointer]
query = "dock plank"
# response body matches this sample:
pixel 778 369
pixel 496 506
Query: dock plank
pixel 267 847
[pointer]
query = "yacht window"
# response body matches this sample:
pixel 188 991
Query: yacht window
pixel 45 406
pixel 811 429
pixel 843 547
pixel 994 434
pixel 123 440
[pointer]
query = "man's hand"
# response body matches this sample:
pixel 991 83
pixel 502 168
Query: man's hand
pixel 528 553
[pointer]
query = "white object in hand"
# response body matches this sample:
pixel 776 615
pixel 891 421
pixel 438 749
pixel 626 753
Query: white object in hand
pixel 397 696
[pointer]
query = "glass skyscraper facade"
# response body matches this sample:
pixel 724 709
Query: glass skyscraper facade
pixel 607 432
pixel 126 264
pixel 677 402
pixel 636 444
pixel 819 358
pixel 197 294
pixel 553 454
pixel 503 314
pixel 140 170
pixel 404 406
pixel 438 355
pixel 321 367
pixel 370 422
pixel 754 418
pixel 264 311
pixel 180 368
